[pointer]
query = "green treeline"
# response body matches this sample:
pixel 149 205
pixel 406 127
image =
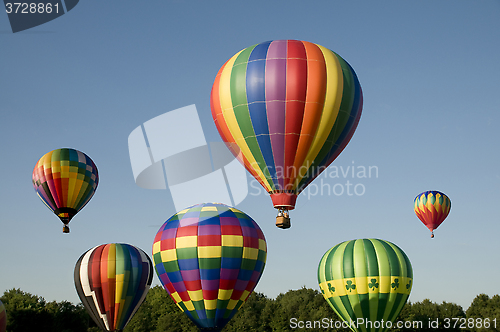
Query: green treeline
pixel 303 309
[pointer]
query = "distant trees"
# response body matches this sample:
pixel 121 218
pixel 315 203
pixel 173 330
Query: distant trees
pixel 304 307
pixel 27 312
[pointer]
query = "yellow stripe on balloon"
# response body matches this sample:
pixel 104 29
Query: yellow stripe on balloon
pixel 232 123
pixel 112 261
pixel 334 88
pixel 361 286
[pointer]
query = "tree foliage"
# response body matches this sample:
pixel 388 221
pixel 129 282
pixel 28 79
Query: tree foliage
pixel 28 312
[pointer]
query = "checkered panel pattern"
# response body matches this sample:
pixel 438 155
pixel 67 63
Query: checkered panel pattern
pixel 209 258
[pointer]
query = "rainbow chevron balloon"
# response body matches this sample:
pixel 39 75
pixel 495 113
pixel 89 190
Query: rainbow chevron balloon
pixel 209 258
pixel 432 208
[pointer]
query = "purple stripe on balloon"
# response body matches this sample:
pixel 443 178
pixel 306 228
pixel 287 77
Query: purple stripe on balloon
pixel 190 221
pixel 249 232
pixel 229 221
pixel 190 275
pixel 275 102
pixel 179 286
pixel 229 274
pixel 53 192
pixel 240 285
pixel 210 284
pixel 255 276
pixel 209 230
pixel 45 198
pixel 164 279
pixel 169 233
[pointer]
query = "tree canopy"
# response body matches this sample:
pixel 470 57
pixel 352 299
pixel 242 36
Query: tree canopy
pixel 296 309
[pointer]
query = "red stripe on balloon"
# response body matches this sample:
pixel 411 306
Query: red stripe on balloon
pixel 295 104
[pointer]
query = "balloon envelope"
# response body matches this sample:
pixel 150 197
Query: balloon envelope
pixel 3 318
pixel 432 208
pixel 366 279
pixel 112 281
pixel 65 180
pixel 290 107
pixel 209 258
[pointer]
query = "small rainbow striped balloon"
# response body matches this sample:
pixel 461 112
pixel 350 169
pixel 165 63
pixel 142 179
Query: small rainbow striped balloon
pixel 112 281
pixel 209 258
pixel 65 180
pixel 432 208
pixel 3 318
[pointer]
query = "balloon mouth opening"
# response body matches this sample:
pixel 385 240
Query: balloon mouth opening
pixel 65 214
pixel 283 200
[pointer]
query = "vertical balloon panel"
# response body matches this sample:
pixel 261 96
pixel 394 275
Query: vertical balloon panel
pixel 366 279
pixel 112 280
pixel 209 258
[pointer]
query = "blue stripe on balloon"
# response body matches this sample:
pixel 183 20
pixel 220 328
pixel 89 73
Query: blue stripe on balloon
pixel 209 274
pixel 188 264
pixel 230 263
pixel 256 98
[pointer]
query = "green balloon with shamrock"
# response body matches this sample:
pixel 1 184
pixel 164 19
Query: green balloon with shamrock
pixel 366 282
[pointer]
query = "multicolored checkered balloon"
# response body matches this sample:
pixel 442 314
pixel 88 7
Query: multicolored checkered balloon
pixel 65 180
pixel 209 258
pixel 432 208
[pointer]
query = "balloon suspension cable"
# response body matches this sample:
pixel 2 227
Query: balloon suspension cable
pixel 283 218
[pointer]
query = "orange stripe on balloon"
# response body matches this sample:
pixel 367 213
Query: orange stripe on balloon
pixel 315 97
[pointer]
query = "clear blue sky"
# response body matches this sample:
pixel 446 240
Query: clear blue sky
pixel 430 75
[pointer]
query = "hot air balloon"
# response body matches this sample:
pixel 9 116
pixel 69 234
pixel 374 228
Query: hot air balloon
pixel 112 281
pixel 3 318
pixel 366 282
pixel 209 258
pixel 290 107
pixel 65 180
pixel 432 208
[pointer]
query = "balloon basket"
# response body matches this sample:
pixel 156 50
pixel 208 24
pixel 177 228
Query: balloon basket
pixel 65 229
pixel 282 222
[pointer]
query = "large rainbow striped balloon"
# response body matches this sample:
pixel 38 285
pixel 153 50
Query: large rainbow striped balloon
pixel 209 258
pixel 65 180
pixel 290 107
pixel 432 208
pixel 112 281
